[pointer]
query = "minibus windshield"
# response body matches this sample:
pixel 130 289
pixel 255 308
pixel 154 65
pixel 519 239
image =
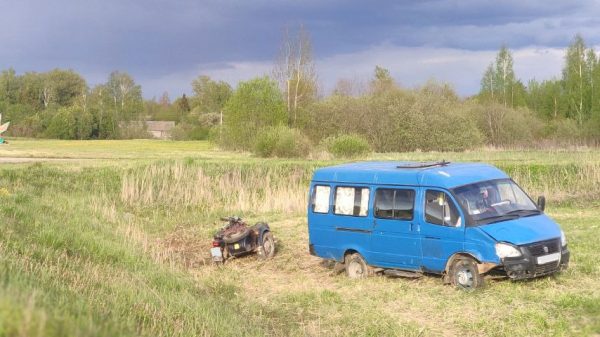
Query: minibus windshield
pixel 495 200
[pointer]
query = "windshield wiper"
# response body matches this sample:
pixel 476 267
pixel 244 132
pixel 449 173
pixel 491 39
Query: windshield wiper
pixel 498 218
pixel 530 212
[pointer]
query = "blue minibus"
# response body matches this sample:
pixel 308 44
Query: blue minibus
pixel 459 220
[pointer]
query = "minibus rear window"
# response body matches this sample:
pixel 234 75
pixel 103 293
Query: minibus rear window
pixel 320 199
pixel 351 201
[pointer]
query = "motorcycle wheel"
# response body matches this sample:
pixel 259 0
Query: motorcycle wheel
pixel 237 236
pixel 268 246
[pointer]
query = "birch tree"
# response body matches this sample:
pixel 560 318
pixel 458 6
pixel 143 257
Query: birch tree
pixel 126 96
pixel 499 83
pixel 546 97
pixel 504 77
pixel 593 73
pixel 295 71
pixel 487 83
pixel 575 79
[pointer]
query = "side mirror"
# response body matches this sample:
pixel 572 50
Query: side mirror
pixel 541 203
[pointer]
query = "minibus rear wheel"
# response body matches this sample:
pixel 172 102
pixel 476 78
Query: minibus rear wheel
pixel 465 275
pixel 356 266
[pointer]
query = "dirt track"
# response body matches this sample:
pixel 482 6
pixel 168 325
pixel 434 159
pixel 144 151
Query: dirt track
pixel 16 160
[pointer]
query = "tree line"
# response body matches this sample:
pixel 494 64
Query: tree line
pixel 286 112
pixel 59 104
pixel 568 105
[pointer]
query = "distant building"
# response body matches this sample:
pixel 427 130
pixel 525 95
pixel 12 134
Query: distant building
pixel 160 129
pixel 156 129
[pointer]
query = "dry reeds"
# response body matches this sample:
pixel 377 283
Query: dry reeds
pixel 264 189
pixel 558 182
pixel 178 185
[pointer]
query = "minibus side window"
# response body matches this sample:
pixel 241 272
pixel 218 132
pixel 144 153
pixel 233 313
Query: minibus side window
pixel 320 199
pixel 440 209
pixel 394 204
pixel 351 201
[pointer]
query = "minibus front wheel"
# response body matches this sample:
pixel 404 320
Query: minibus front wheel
pixel 465 275
pixel 356 266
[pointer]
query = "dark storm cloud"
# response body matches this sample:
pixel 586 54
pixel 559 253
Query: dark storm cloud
pixel 166 39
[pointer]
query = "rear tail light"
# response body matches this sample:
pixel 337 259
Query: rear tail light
pixel 216 244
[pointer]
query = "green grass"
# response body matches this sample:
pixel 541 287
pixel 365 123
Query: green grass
pixel 164 149
pixel 83 253
pixel 105 149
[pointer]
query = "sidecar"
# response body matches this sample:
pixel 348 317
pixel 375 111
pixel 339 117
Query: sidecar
pixel 236 239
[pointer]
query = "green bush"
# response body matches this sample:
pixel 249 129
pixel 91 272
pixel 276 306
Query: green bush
pixel 391 120
pixel 505 126
pixel 281 141
pixel 347 146
pixel 62 125
pixel 590 129
pixel 562 130
pixel 30 126
pixel 255 105
pixel 189 132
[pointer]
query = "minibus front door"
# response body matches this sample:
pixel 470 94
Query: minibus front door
pixel 442 230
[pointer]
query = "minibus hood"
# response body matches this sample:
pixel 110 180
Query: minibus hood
pixel 523 230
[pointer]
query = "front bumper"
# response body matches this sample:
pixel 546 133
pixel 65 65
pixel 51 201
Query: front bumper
pixel 526 266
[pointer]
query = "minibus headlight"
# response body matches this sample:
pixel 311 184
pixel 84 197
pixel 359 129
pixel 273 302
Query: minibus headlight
pixel 563 238
pixel 507 250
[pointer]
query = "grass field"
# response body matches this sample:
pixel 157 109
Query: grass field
pixel 110 238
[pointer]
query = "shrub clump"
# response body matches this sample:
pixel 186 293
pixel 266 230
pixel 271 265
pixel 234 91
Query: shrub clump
pixel 189 132
pixel 347 146
pixel 281 141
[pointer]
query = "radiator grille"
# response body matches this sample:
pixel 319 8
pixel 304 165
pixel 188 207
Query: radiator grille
pixel 546 268
pixel 544 247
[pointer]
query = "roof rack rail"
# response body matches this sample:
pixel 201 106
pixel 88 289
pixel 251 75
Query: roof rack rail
pixel 423 164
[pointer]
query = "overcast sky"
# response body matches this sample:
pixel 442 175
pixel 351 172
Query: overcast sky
pixel 164 45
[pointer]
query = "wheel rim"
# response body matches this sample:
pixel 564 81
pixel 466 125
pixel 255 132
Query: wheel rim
pixel 464 277
pixel 355 269
pixel 267 246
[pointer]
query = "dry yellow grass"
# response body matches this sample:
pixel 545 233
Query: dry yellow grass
pixel 179 185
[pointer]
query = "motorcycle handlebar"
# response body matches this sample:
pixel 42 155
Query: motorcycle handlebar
pixel 231 218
